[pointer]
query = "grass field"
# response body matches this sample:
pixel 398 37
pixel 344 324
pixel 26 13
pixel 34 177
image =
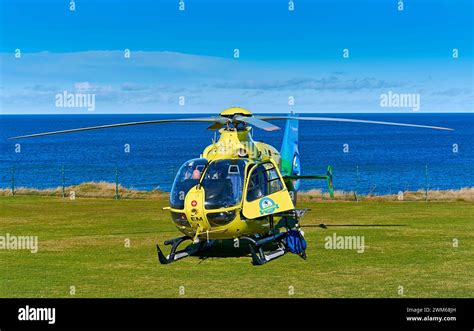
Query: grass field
pixel 82 244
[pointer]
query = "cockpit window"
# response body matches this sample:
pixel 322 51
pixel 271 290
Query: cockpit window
pixel 187 177
pixel 223 183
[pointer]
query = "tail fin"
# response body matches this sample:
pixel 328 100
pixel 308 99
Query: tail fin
pixel 290 157
pixel 290 166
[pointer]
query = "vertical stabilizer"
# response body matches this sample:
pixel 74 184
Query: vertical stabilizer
pixel 290 157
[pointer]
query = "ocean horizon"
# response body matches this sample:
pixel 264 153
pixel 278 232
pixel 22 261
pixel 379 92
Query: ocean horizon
pixel 365 158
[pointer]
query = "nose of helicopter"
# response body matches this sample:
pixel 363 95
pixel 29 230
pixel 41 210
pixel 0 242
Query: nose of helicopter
pixel 194 209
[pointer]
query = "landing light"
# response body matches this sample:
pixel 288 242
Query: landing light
pixel 242 152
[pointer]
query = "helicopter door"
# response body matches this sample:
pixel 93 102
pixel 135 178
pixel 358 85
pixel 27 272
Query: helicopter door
pixel 266 193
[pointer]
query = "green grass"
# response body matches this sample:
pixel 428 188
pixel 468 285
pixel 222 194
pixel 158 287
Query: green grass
pixel 82 244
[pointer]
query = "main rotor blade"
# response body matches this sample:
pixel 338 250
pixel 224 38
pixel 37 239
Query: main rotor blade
pixel 337 119
pixel 259 123
pixel 219 123
pixel 198 119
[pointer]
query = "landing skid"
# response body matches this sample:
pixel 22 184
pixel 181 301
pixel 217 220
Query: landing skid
pixel 290 220
pixel 175 255
pixel 259 256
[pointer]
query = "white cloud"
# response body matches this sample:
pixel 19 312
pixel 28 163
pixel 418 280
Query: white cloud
pixel 154 81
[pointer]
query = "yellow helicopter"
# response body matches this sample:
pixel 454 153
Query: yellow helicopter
pixel 240 189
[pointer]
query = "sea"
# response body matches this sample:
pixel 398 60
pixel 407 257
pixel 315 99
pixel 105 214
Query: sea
pixel 368 159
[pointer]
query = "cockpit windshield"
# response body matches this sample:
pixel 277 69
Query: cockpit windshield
pixel 223 183
pixel 187 177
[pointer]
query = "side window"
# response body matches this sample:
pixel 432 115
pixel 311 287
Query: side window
pixel 263 181
pixel 274 182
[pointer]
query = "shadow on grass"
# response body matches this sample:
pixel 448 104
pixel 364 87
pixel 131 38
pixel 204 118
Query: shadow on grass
pixel 325 226
pixel 223 249
pixel 220 249
pixel 226 249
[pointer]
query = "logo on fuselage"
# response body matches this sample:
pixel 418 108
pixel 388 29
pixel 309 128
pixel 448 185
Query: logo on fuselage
pixel 267 206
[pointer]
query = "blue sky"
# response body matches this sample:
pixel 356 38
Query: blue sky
pixel 190 53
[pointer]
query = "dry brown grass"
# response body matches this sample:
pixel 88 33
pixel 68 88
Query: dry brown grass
pixel 90 190
pixel 318 195
pixel 463 194
pixel 107 190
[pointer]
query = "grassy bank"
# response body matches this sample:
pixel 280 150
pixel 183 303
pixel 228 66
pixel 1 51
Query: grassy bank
pixel 82 243
pixel 109 190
